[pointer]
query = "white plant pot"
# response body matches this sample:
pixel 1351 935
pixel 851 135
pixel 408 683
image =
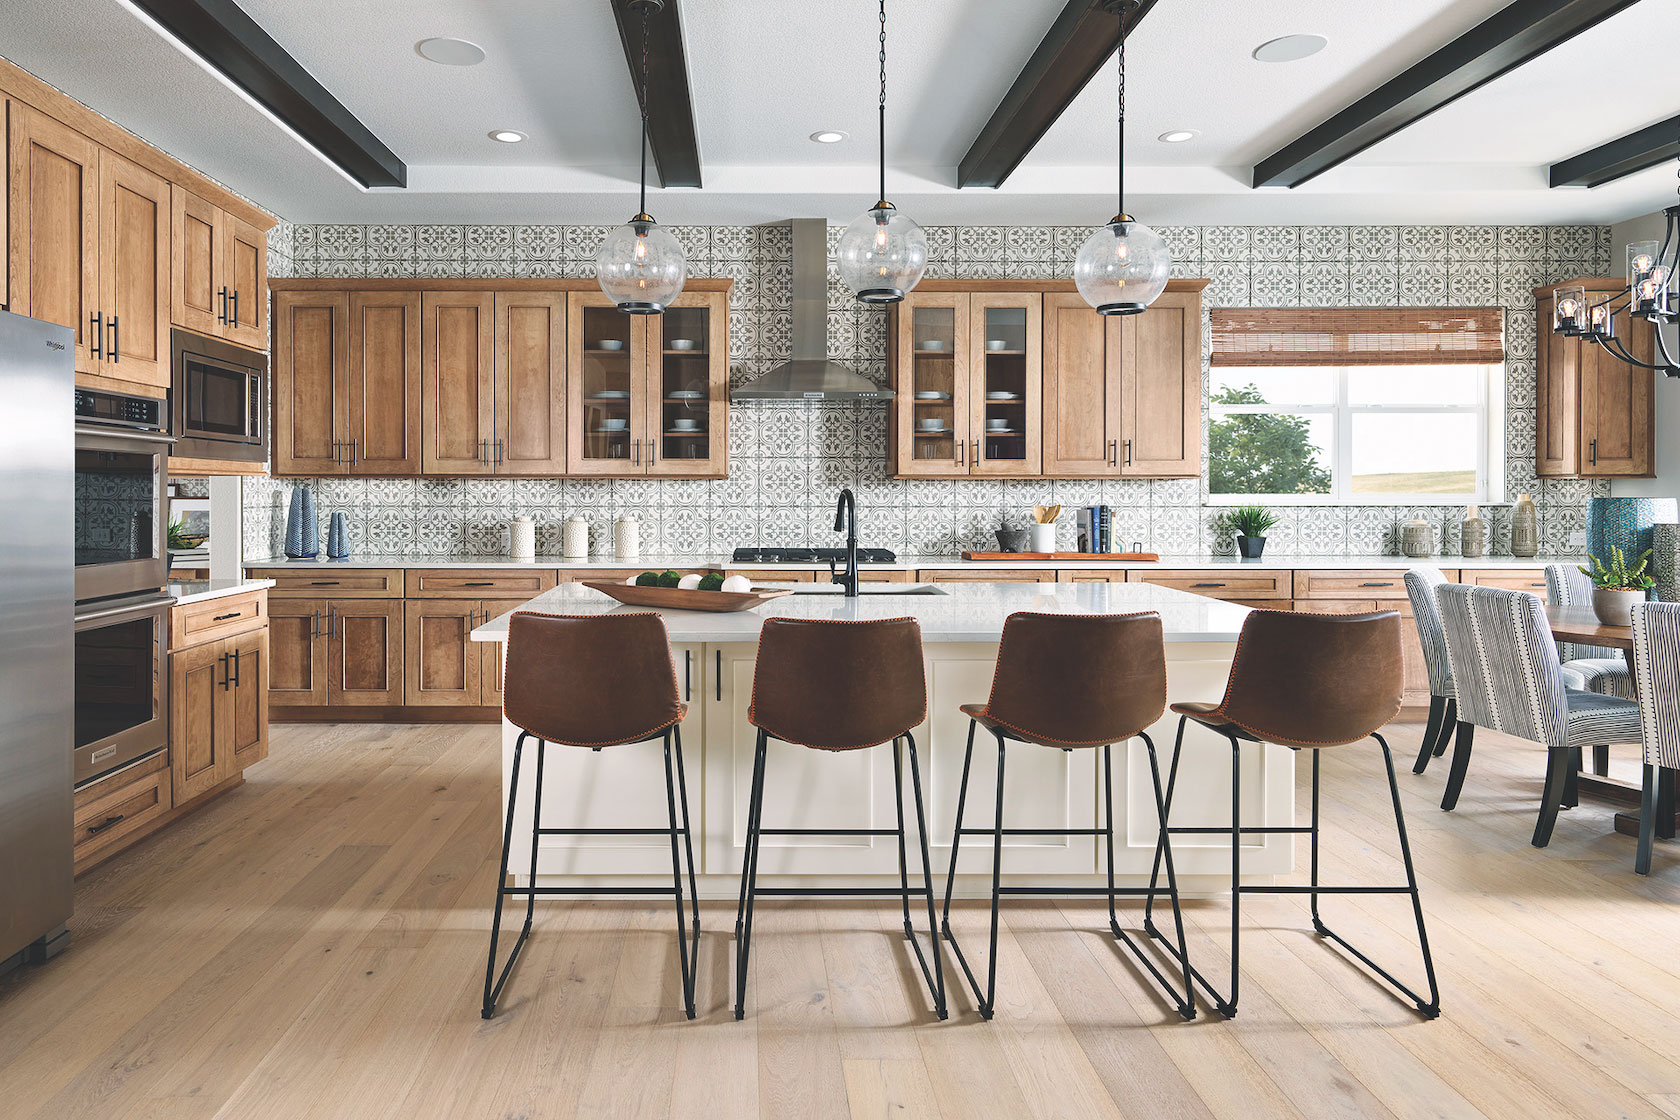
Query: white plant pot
pixel 1614 605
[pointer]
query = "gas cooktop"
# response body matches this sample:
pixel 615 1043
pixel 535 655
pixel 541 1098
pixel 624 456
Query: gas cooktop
pixel 810 555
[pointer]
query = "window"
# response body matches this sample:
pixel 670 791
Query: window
pixel 1318 415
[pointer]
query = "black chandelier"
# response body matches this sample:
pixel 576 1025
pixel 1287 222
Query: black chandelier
pixel 1652 294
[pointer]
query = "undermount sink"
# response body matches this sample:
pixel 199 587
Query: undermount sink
pixel 870 589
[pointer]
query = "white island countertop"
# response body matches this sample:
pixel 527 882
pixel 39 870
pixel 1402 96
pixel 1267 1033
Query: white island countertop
pixel 961 612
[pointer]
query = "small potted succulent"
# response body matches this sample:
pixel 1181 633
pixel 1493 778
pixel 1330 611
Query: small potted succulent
pixel 1250 524
pixel 1617 586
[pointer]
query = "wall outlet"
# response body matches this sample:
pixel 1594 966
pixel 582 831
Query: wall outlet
pixel 1578 538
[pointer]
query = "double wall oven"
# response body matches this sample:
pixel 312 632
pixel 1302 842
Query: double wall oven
pixel 122 606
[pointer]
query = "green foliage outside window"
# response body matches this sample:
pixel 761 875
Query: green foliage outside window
pixel 1262 453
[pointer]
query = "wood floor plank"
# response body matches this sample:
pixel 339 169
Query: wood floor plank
pixel 889 1089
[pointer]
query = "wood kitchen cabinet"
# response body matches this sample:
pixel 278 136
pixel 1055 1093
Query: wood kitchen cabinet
pixel 1025 380
pixel 383 384
pixel 220 272
pixel 1594 415
pixel 331 652
pixel 89 249
pixel 218 693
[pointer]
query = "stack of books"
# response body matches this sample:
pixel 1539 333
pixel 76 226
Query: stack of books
pixel 1096 529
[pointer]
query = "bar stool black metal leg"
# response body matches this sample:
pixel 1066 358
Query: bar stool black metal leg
pixel 987 1006
pixel 1163 846
pixel 956 835
pixel 1161 840
pixel 903 867
pixel 492 986
pixel 686 961
pixel 1229 1007
pixel 747 853
pixel 1318 923
pixel 1108 832
pixel 1187 1009
pixel 749 874
pixel 688 836
pixel 1431 732
pixel 938 984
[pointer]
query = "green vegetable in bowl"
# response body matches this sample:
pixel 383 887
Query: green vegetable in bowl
pixel 711 581
pixel 648 579
pixel 668 578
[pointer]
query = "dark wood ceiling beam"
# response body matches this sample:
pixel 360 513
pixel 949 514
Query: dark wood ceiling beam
pixel 220 33
pixel 1077 45
pixel 1650 146
pixel 1504 41
pixel 676 153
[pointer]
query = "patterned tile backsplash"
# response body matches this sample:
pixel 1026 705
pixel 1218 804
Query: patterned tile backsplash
pixel 788 461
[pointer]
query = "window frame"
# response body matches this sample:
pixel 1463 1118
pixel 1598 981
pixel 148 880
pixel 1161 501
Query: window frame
pixel 1490 437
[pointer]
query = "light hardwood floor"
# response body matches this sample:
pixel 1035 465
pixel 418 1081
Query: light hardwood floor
pixel 312 945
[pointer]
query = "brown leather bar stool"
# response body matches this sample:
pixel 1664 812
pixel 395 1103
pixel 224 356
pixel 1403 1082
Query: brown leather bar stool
pixel 1071 682
pixel 838 686
pixel 593 681
pixel 1307 682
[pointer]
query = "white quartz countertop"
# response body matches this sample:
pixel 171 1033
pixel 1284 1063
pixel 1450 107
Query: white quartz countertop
pixel 1270 562
pixel 965 612
pixel 198 590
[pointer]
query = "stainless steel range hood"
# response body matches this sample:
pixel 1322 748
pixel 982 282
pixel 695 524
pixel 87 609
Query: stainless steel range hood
pixel 811 376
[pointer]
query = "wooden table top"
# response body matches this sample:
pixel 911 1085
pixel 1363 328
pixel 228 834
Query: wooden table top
pixel 1580 624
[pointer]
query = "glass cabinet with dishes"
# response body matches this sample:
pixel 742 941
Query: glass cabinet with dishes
pixel 649 393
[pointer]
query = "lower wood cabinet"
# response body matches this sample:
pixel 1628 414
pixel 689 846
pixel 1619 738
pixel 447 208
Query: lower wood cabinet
pixel 337 652
pixel 218 721
pixel 118 809
pixel 443 666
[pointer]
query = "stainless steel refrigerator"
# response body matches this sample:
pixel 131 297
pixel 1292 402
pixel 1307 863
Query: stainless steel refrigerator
pixel 37 621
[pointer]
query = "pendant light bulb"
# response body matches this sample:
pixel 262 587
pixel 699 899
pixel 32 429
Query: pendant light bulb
pixel 1123 267
pixel 882 254
pixel 640 266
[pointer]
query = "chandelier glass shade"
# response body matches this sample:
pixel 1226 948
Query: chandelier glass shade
pixel 1652 294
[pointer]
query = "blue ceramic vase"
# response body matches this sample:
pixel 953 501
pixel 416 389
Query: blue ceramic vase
pixel 301 542
pixel 1626 523
pixel 338 539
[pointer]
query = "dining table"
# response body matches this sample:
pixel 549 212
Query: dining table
pixel 1579 624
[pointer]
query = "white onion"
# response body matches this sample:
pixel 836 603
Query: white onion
pixel 737 584
pixel 689 583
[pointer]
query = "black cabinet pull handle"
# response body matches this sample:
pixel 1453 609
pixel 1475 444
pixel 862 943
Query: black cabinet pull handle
pixel 315 627
pixel 1593 451
pixel 106 823
pixel 227 673
pixel 236 307
pixel 115 355
pixel 1378 583
pixel 225 617
pixel 221 316
pixel 96 337
pixel 323 583
pixel 235 668
pixel 1207 585
pixel 688 674
pixel 1128 453
pixel 501 458
pixel 479 583
pixel 719 674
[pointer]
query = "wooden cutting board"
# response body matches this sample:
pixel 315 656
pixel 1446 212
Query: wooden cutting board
pixel 1042 557
pixel 677 599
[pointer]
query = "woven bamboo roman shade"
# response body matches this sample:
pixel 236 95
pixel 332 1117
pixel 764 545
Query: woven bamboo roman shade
pixel 1362 336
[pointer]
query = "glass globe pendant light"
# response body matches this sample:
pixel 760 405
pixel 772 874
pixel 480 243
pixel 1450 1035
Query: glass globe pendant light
pixel 641 266
pixel 1124 266
pixel 882 254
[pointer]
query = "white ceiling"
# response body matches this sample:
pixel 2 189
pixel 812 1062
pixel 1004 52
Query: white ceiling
pixel 766 73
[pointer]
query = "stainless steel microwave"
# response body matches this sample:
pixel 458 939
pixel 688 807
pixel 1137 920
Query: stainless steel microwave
pixel 218 399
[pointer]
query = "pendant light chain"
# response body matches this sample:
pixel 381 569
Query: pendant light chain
pixel 1120 162
pixel 644 103
pixel 881 132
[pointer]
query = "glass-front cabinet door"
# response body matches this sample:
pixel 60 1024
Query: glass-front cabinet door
pixel 931 361
pixel 606 356
pixel 688 388
pixel 1005 383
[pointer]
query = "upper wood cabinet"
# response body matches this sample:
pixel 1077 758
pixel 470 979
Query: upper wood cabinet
pixel 1595 417
pixel 519 378
pixel 1036 384
pixel 89 248
pixel 220 272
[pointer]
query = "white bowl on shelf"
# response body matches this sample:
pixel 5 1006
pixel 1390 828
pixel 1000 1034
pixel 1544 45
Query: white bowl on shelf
pixel 997 425
pixel 932 344
pixel 996 395
pixel 685 424
pixel 610 344
pixel 610 424
pixel 996 344
pixel 687 395
pixel 930 425
pixel 682 344
pixel 613 395
pixel 932 395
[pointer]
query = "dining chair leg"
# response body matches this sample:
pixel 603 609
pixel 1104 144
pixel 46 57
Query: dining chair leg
pixel 1571 788
pixel 1431 733
pixel 1448 726
pixel 1647 821
pixel 1551 800
pixel 1601 759
pixel 956 835
pixel 1460 763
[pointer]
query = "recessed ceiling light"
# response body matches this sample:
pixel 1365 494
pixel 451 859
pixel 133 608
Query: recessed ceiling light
pixel 507 136
pixel 828 136
pixel 451 52
pixel 1179 135
pixel 1290 48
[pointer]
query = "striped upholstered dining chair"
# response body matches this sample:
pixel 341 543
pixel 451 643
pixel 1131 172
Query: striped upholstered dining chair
pixel 1443 701
pixel 1602 668
pixel 1506 673
pixel 1656 668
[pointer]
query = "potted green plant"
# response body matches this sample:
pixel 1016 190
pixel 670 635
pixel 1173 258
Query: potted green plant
pixel 1250 524
pixel 1617 586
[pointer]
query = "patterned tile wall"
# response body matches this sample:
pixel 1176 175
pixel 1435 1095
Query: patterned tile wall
pixel 788 461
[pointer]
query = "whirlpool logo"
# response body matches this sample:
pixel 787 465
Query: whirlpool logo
pixel 51 345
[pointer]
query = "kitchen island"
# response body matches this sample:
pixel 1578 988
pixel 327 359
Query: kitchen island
pixel 961 625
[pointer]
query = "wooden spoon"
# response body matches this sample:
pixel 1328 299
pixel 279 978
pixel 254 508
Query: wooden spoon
pixel 1047 515
pixel 1038 514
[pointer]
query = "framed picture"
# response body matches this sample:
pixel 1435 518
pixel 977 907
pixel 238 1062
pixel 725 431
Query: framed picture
pixel 189 523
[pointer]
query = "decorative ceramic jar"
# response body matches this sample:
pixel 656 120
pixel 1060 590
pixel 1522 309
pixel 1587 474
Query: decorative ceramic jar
pixel 1044 536
pixel 1614 605
pixel 574 539
pixel 1417 539
pixel 1665 561
pixel 627 538
pixel 1525 527
pixel 338 538
pixel 1472 534
pixel 522 538
pixel 1625 523
pixel 301 541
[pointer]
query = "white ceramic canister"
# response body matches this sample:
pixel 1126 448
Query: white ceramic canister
pixel 574 539
pixel 1044 537
pixel 522 538
pixel 627 538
